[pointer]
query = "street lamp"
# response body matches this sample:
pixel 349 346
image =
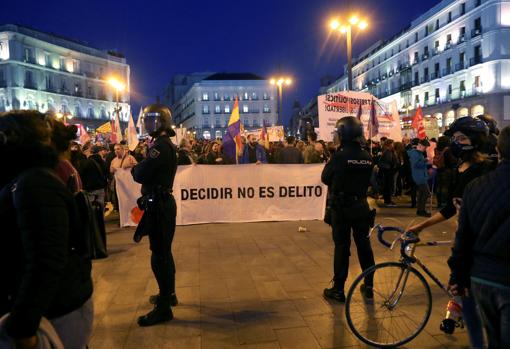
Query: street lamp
pixel 118 86
pixel 346 28
pixel 64 116
pixel 279 82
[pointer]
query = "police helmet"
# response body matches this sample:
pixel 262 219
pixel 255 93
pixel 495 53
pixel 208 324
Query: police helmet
pixel 157 118
pixel 475 129
pixel 349 129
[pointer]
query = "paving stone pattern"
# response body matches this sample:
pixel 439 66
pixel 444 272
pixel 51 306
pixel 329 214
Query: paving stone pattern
pixel 249 286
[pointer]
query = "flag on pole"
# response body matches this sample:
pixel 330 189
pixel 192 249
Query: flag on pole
pixel 116 136
pixel 417 124
pixel 84 135
pixel 373 122
pixel 264 136
pixel 232 140
pixel 360 112
pixel 132 136
pixel 105 128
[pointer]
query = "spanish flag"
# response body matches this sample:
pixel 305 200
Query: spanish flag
pixel 232 140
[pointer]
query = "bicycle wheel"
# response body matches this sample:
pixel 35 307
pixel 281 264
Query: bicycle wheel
pixel 399 310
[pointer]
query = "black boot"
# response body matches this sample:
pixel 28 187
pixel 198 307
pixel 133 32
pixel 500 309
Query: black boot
pixel 162 312
pixel 334 293
pixel 173 299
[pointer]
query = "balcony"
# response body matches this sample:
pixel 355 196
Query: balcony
pixel 447 71
pixel 424 79
pixel 435 75
pixel 460 66
pixel 30 85
pixel 406 86
pixel 448 45
pixel 476 32
pixel 436 51
pixel 462 38
pixel 424 56
pixel 30 60
pixel 3 83
pixel 416 60
pixel 475 60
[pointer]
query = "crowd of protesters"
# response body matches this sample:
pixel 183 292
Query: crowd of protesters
pixel 46 265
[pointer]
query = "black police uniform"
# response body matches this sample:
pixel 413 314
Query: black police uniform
pixel 156 174
pixel 348 176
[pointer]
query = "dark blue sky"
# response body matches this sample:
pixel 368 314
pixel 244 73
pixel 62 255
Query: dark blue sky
pixel 266 37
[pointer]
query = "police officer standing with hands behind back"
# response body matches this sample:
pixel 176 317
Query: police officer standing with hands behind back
pixel 156 174
pixel 347 176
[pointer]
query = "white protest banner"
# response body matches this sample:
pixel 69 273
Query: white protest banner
pixel 276 133
pixel 334 106
pixel 244 193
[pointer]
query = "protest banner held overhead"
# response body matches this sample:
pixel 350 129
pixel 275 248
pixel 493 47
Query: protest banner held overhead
pixel 247 193
pixel 334 106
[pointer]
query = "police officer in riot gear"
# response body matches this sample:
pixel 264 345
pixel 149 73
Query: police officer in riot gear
pixel 347 176
pixel 156 174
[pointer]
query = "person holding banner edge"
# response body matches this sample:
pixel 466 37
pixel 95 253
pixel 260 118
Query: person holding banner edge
pixel 347 176
pixel 156 174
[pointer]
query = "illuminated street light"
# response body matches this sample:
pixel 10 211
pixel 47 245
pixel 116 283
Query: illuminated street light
pixel 64 117
pixel 118 86
pixel 346 28
pixel 279 82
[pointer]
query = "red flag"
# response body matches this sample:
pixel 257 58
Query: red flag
pixel 418 124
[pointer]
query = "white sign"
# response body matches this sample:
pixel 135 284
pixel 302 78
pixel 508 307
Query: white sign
pixel 276 133
pixel 334 106
pixel 230 194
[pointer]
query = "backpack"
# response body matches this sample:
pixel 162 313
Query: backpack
pixel 84 221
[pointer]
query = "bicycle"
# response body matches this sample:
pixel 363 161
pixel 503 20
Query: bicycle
pixel 401 301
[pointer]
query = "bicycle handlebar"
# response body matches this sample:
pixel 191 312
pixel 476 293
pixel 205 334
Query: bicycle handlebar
pixel 406 239
pixel 381 230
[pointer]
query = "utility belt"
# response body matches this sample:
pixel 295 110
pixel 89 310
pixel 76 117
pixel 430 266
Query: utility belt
pixel 153 197
pixel 343 199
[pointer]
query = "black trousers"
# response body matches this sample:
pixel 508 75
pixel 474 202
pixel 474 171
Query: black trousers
pixel 347 219
pixel 388 184
pixel 161 228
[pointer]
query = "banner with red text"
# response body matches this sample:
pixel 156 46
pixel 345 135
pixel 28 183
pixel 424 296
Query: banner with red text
pixel 233 194
pixel 334 106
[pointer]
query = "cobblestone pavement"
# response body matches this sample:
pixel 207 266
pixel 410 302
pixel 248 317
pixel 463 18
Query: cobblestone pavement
pixel 252 285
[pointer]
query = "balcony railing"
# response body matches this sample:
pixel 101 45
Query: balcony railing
pixel 460 66
pixel 435 75
pixel 3 83
pixel 416 60
pixel 424 56
pixel 462 38
pixel 447 71
pixel 476 32
pixel 424 79
pixel 30 84
pixel 448 45
pixel 475 60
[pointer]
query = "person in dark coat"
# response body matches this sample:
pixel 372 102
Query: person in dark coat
pixel 290 154
pixel 43 257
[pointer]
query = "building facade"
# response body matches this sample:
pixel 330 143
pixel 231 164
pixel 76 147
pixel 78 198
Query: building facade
pixel 453 61
pixel 49 73
pixel 206 107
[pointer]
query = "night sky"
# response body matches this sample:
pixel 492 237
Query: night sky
pixel 265 37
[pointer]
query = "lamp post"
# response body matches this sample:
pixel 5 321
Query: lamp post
pixel 279 82
pixel 118 86
pixel 346 29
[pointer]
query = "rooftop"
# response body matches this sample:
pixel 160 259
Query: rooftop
pixel 234 76
pixel 60 40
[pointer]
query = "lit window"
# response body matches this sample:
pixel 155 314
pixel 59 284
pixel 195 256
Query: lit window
pixel 254 96
pixel 217 109
pixel 216 96
pixel 205 96
pixel 205 109
pixel 266 109
pixel 265 96
pixel 245 108
pixel 227 108
pixel 245 96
